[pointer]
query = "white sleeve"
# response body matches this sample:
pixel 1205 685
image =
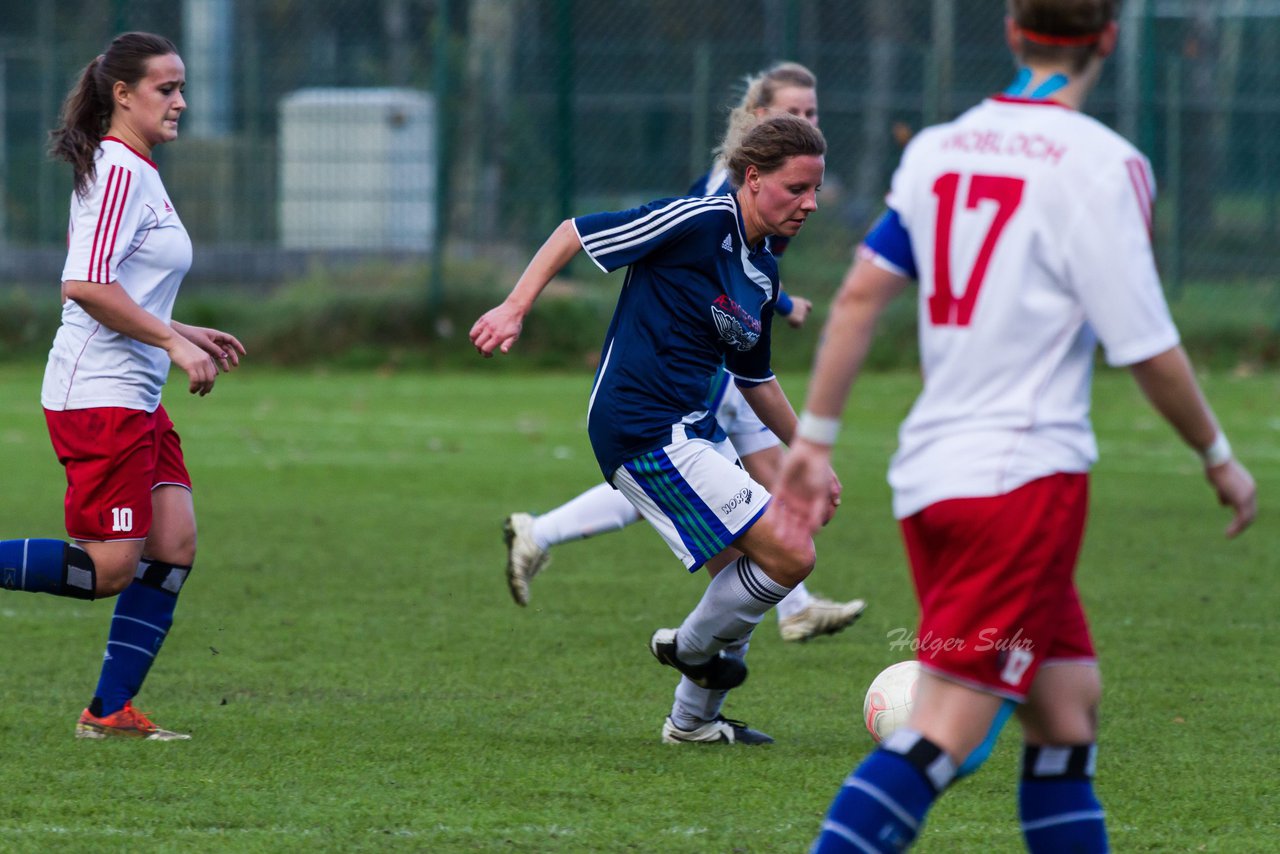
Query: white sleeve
pixel 103 225
pixel 1112 268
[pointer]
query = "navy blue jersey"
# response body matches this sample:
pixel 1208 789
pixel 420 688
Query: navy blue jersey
pixel 695 296
pixel 717 183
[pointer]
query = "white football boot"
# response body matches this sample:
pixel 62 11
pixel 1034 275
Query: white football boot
pixel 524 558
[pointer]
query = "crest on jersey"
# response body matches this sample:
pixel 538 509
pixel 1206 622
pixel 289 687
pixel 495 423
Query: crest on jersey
pixel 736 327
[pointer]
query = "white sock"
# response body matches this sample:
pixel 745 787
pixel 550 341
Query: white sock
pixel 732 605
pixel 797 600
pixel 599 510
pixel 695 706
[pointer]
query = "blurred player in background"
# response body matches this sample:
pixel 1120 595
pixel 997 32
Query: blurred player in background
pixel 786 87
pixel 1027 225
pixel 128 501
pixel 699 294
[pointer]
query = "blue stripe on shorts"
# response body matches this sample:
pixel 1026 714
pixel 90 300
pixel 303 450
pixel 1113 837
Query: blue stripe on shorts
pixel 701 530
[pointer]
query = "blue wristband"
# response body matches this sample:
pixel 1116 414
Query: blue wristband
pixel 785 305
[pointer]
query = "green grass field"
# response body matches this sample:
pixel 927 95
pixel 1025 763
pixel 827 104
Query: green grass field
pixel 356 677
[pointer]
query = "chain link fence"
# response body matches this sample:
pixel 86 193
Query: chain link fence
pixel 325 130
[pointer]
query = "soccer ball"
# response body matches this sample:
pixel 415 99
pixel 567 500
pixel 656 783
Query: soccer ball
pixel 890 698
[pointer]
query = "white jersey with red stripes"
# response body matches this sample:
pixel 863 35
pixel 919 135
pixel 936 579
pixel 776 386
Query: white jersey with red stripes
pixel 123 229
pixel 1029 224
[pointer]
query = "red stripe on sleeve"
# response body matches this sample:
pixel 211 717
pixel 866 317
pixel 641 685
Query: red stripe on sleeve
pixel 97 232
pixel 119 215
pixel 1141 187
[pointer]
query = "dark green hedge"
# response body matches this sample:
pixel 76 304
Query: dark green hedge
pixel 385 316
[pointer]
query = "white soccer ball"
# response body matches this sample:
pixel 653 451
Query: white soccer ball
pixel 890 698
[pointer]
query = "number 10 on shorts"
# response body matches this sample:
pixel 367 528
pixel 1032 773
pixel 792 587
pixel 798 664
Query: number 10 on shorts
pixel 122 519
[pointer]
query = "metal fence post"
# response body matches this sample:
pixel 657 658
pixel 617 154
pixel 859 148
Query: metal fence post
pixel 791 30
pixel 1173 129
pixel 443 116
pixel 47 214
pixel 700 108
pixel 1147 79
pixel 4 161
pixel 940 62
pixel 1129 61
pixel 1268 156
pixel 564 107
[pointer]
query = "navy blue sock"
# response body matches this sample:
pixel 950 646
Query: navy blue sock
pixel 46 566
pixel 882 805
pixel 143 616
pixel 1060 813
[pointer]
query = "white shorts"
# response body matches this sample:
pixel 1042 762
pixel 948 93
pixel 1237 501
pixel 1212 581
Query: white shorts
pixel 696 495
pixel 736 417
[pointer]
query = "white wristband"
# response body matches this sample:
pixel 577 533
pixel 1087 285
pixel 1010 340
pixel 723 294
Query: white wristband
pixel 817 428
pixel 1217 453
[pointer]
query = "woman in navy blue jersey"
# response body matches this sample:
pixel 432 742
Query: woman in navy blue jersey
pixel 700 292
pixel 785 87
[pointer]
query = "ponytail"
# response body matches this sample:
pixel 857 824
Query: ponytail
pixel 86 115
pixel 87 110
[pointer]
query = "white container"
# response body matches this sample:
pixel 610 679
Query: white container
pixel 357 169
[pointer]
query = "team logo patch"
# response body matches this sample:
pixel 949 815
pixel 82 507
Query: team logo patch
pixel 736 327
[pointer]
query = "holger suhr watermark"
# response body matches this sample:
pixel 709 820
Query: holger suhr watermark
pixel 987 640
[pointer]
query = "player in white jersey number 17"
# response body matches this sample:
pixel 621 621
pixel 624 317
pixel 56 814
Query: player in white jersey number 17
pixel 1026 224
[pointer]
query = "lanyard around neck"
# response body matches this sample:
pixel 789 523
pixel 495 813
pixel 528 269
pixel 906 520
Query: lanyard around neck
pixel 1018 88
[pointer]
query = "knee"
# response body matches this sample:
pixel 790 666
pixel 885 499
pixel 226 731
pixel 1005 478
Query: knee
pixel 178 549
pixel 793 567
pixel 1069 721
pixel 184 554
pixel 1075 726
pixel 1078 721
pixel 112 576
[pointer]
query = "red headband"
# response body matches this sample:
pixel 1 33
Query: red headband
pixel 1061 41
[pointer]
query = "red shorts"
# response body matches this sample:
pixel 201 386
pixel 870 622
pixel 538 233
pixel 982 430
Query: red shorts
pixel 996 582
pixel 114 457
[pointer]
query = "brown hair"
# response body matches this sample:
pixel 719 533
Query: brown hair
pixel 761 89
pixel 87 110
pixel 770 143
pixel 1060 30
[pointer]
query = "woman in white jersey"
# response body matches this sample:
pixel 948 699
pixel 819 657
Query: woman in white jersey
pixel 785 87
pixel 128 503
pixel 1027 225
pixel 699 296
